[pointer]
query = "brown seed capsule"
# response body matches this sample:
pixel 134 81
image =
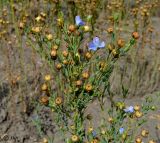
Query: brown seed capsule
pixel 59 100
pixel 135 35
pixel 85 75
pixel 72 28
pixel 44 100
pixel 88 87
pixel 53 54
pixel 65 53
pixel 78 83
pixel 44 87
pixel 110 30
pixel 88 55
pixel 120 43
pixel 58 66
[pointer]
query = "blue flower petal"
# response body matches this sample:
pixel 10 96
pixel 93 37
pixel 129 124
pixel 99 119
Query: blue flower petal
pixel 92 46
pixel 129 109
pixel 79 21
pixel 102 44
pixel 94 133
pixel 121 130
pixel 96 41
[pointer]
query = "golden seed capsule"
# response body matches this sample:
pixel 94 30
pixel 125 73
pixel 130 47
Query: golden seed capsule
pixel 90 129
pixel 65 62
pixel 53 54
pixel 72 28
pixel 65 53
pixel 38 18
pixel 151 141
pixel 21 25
pixel 59 100
pixel 85 75
pixel 114 52
pixel 138 140
pixel 138 114
pixel 110 48
pixel 49 37
pixel 95 141
pixel 54 47
pixel 47 77
pixel 45 140
pixel 86 28
pixel 135 35
pixel 88 55
pixel 110 120
pixel 78 83
pixel 144 133
pixel 58 66
pixel 75 138
pixel 88 87
pixel 137 107
pixel 44 87
pixel 60 22
pixel 44 100
pixel 36 29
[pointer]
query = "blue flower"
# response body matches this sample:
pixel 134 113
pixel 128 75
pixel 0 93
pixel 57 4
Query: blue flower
pixel 96 43
pixel 129 109
pixel 79 21
pixel 121 130
pixel 94 133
